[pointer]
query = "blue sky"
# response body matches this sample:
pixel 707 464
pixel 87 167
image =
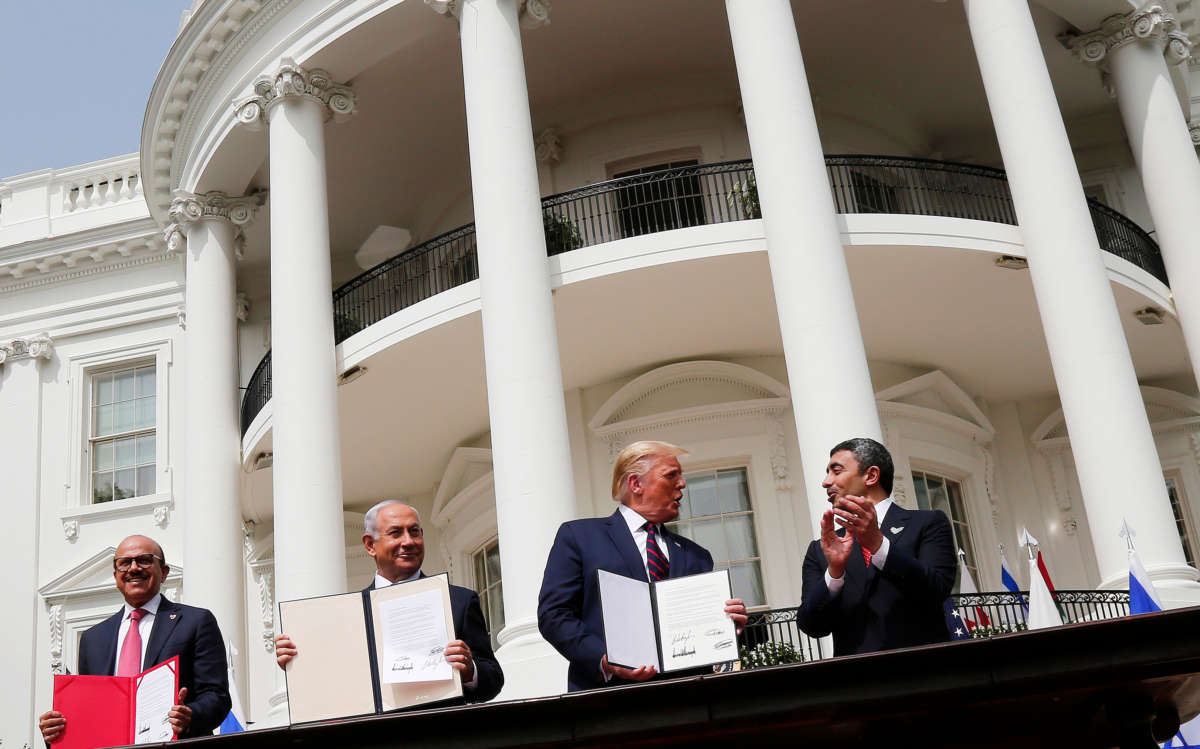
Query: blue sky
pixel 76 76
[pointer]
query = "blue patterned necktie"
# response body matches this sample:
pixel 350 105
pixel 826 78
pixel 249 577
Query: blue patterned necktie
pixel 656 563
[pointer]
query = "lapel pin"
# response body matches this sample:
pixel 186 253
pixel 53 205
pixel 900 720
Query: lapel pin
pixel 173 616
pixel 895 530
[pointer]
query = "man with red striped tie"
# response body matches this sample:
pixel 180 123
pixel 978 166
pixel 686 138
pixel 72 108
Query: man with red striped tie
pixel 648 483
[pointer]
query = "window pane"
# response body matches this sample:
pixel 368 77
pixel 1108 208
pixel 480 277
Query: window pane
pixel 123 419
pixel 102 456
pixel 146 449
pixel 103 389
pixel 496 609
pixel 739 531
pixel 493 564
pixel 702 495
pixel 102 490
pixel 124 486
pixel 145 382
pixel 683 529
pixel 746 579
pixel 937 495
pixel 102 421
pixel 710 535
pixel 734 493
pixel 124 385
pixel 125 455
pixel 480 576
pixel 922 492
pixel 145 480
pixel 144 416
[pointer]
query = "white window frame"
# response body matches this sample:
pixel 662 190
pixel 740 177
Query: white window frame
pixel 481 588
pixel 89 427
pixel 743 465
pixel 964 484
pixel 1185 510
pixel 78 504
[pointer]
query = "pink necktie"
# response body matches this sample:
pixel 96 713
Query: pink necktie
pixel 130 662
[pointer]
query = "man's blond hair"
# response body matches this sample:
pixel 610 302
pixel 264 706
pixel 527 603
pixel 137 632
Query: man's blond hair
pixel 635 460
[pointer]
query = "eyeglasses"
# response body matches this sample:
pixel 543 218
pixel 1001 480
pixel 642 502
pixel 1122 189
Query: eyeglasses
pixel 124 564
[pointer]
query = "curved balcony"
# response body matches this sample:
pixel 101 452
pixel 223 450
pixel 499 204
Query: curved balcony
pixel 694 196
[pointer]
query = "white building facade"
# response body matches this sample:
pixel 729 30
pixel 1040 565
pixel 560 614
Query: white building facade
pixel 460 252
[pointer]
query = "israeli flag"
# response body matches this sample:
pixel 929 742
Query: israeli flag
pixel 1188 736
pixel 235 721
pixel 1143 598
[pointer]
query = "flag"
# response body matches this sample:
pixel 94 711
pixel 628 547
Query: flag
pixel 975 616
pixel 235 721
pixel 1042 569
pixel 1007 618
pixel 1143 598
pixel 956 626
pixel 1042 610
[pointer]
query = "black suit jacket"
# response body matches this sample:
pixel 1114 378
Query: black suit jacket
pixel 471 629
pixel 898 606
pixel 186 631
pixel 569 615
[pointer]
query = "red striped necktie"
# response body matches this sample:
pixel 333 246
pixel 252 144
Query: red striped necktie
pixel 656 563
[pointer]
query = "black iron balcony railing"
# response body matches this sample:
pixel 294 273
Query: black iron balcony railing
pixel 773 637
pixel 994 613
pixel 692 196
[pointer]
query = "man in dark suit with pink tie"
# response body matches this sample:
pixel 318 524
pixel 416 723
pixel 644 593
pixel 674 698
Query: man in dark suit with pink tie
pixel 148 630
pixel 648 483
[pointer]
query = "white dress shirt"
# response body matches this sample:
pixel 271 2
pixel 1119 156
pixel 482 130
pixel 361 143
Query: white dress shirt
pixel 636 523
pixel 144 626
pixel 878 559
pixel 383 582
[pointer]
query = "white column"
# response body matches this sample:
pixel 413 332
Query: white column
pixel 1114 451
pixel 25 692
pixel 1130 49
pixel 212 531
pixel 531 455
pixel 310 554
pixel 832 397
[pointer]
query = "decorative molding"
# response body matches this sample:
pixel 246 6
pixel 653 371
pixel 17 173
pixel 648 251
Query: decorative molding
pixel 70 529
pixel 1194 440
pixel 292 80
pixel 548 146
pixel 531 14
pixel 37 346
pixel 47 276
pixel 989 483
pixel 189 208
pixel 242 308
pixel 1194 131
pixel 779 461
pixel 1152 22
pixel 181 316
pixel 264 579
pixel 162 515
pixel 56 639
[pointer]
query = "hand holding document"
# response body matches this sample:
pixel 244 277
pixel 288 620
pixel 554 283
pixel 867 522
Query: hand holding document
pixel 117 710
pixel 671 624
pixel 370 652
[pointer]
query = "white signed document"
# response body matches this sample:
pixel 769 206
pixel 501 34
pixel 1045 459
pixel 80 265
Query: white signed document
pixel 692 624
pixel 414 639
pixel 155 695
pixel 671 624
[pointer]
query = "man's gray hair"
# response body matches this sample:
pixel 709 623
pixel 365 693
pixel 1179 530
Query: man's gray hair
pixel 371 519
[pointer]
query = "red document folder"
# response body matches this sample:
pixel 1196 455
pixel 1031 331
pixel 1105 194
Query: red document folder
pixel 102 711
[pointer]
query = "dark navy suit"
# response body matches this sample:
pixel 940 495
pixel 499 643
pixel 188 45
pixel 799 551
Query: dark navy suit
pixel 471 629
pixel 186 631
pixel 896 607
pixel 569 614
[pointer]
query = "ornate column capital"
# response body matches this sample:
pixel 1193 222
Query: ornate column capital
pixel 530 13
pixel 188 208
pixel 1151 23
pixel 38 346
pixel 1194 131
pixel 547 146
pixel 290 79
